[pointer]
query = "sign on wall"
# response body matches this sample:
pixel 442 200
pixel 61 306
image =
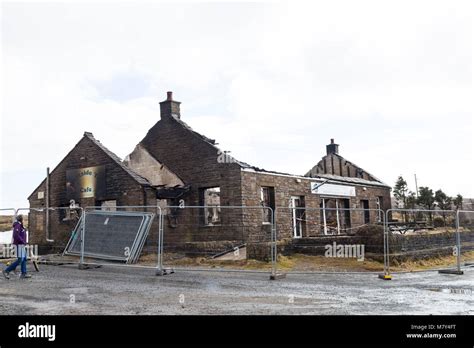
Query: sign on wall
pixel 333 190
pixel 85 182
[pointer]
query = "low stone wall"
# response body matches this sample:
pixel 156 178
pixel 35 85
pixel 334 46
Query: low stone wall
pixel 428 245
pixel 401 247
pixel 317 245
pixel 259 251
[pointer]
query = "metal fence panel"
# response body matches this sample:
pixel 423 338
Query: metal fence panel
pixel 329 239
pixel 111 235
pixel 217 238
pixel 466 237
pixel 421 239
pixel 144 250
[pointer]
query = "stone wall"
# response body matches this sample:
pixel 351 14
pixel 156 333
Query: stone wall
pixel 287 186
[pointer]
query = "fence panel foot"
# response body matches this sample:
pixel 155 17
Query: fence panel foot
pixel 450 271
pixel 162 272
pixel 276 276
pixel 385 276
pixel 86 266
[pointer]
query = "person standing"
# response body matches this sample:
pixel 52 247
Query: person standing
pixel 19 241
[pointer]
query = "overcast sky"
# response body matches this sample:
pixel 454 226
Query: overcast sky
pixel 272 82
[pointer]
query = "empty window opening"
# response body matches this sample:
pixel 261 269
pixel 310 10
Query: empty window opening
pixel 335 216
pixel 380 207
pixel 347 213
pixel 298 216
pixel 364 203
pixel 211 200
pixel 267 200
pixel 109 205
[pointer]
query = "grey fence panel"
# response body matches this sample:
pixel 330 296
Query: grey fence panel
pixel 112 234
pixel 140 248
pixel 329 239
pixel 421 239
pixel 466 237
pixel 238 238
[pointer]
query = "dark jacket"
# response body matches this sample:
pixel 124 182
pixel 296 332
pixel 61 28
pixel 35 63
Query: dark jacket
pixel 19 233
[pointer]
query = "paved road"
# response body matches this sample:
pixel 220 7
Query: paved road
pixel 113 290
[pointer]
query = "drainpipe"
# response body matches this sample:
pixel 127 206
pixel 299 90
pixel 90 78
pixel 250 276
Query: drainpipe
pixel 48 236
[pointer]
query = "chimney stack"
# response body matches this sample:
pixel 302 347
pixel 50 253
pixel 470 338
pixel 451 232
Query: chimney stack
pixel 169 107
pixel 332 148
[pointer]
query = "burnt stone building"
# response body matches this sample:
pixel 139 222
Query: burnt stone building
pixel 174 165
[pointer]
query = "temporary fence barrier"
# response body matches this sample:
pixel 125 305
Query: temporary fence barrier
pixel 108 235
pixel 218 238
pixel 119 233
pixel 332 238
pixel 258 239
pixel 214 238
pixel 421 239
pixel 465 220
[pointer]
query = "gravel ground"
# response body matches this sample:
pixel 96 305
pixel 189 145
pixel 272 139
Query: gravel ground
pixel 119 290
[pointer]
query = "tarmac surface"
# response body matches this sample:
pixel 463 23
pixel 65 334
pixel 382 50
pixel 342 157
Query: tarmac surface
pixel 66 290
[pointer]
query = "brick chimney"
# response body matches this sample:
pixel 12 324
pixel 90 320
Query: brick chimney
pixel 332 148
pixel 169 107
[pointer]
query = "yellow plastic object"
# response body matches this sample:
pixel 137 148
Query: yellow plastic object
pixel 385 276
